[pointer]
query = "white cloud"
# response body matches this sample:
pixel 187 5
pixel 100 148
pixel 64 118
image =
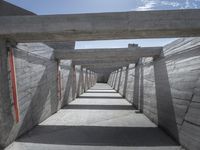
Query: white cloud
pixel 148 5
pixel 170 3
pixel 187 4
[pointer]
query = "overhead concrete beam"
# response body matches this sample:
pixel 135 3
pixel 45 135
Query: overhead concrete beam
pixel 99 62
pixel 103 54
pixel 105 65
pixel 8 9
pixel 120 25
pixel 104 70
pixel 67 45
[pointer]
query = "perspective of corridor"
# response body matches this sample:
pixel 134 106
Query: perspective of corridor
pixel 99 119
pixel 99 75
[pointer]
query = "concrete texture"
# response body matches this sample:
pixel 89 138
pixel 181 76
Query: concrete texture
pixel 39 95
pixel 98 119
pixel 7 118
pixel 145 24
pixel 107 54
pixel 166 89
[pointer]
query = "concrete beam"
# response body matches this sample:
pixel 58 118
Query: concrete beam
pixel 67 45
pixel 108 54
pixel 99 62
pixel 121 25
pixel 104 70
pixel 105 65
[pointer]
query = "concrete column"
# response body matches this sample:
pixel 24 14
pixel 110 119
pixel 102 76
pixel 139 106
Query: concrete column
pixel 80 85
pixel 125 82
pixel 117 74
pixel 83 81
pixel 114 76
pixel 93 78
pixel 7 120
pixel 74 82
pixel 120 76
pixel 112 79
pixel 164 99
pixel 86 80
pixel 90 79
pixel 138 86
pixel 110 76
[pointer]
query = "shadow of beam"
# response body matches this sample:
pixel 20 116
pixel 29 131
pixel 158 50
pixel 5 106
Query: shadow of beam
pixel 101 97
pixel 98 136
pixel 100 92
pixel 100 107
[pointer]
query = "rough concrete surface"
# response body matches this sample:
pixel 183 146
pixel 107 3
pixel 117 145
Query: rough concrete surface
pixel 98 119
pixel 167 90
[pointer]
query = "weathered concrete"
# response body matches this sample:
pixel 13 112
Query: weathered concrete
pixel 7 118
pixel 39 95
pixel 146 24
pixel 99 119
pixel 108 54
pixel 167 90
pixel 125 82
pixel 99 62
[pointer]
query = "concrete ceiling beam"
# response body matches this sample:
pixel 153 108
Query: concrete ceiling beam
pixel 108 54
pixel 119 25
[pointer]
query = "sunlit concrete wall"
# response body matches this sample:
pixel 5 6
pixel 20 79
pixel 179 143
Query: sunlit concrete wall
pixel 40 94
pixel 167 90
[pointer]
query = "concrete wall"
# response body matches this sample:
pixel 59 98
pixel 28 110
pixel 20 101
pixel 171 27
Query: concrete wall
pixel 102 77
pixel 39 93
pixel 167 90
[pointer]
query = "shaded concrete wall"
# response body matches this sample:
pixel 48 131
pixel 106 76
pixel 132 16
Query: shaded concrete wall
pixel 167 90
pixel 102 77
pixel 6 115
pixel 39 94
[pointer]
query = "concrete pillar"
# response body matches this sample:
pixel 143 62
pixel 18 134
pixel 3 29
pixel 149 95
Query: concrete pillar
pixel 164 99
pixel 138 86
pixel 125 82
pixel 90 79
pixel 114 77
pixel 111 81
pixel 80 81
pixel 74 82
pixel 83 81
pixel 93 78
pixel 7 120
pixel 117 74
pixel 120 76
pixel 86 80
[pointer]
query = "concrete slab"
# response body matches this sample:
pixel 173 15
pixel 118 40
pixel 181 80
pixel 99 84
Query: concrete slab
pixel 107 122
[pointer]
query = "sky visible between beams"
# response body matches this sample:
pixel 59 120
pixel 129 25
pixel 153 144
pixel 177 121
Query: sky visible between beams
pixel 46 7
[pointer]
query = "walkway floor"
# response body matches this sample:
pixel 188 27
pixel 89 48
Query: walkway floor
pixel 99 120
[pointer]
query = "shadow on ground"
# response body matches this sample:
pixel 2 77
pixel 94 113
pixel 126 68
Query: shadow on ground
pixel 98 136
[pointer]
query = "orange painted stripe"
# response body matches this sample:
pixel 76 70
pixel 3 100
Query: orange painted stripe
pixel 13 83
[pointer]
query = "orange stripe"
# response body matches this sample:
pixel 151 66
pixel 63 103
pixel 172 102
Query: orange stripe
pixel 14 85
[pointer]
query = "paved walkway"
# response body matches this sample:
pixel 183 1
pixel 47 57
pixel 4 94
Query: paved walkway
pixel 99 120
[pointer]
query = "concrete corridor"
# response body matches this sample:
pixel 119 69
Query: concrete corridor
pixel 99 119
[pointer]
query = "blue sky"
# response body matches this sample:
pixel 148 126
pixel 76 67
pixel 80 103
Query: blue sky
pixel 45 7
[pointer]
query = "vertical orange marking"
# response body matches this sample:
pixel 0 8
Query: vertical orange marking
pixel 13 83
